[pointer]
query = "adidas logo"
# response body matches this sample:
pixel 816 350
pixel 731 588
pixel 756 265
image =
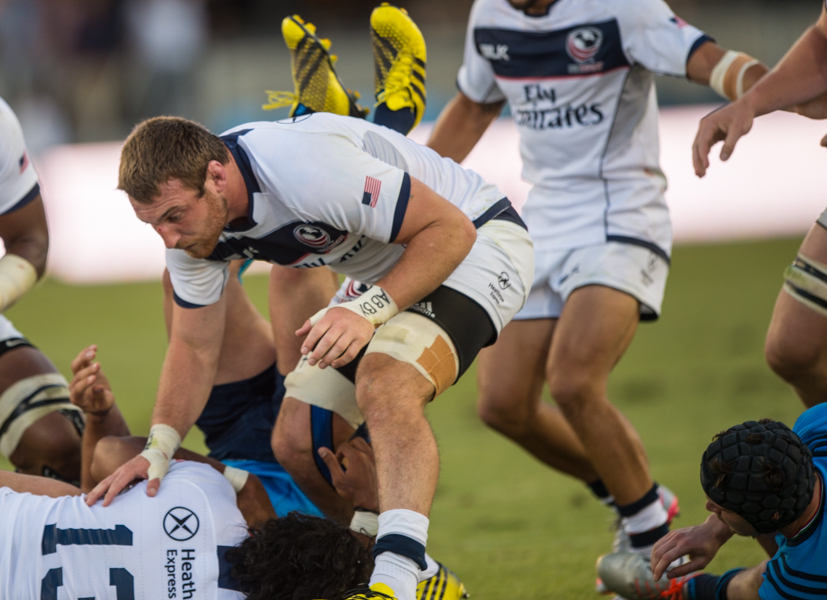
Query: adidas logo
pixel 424 308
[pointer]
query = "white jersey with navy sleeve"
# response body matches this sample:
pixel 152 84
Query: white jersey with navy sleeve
pixel 326 190
pixel 18 179
pixel 579 81
pixel 138 548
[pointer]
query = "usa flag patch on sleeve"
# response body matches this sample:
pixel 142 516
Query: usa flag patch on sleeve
pixel 371 193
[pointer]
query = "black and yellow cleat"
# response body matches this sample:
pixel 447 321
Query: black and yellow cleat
pixel 317 87
pixel 445 585
pixel 399 57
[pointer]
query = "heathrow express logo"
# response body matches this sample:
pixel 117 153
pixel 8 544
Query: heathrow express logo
pixel 181 524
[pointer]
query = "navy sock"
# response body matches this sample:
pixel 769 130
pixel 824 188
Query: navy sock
pixel 701 587
pixel 401 120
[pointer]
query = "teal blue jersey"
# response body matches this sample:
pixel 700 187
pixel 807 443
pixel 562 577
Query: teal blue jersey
pixel 799 568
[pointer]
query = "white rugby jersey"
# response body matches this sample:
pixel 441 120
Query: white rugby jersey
pixel 326 190
pixel 138 548
pixel 18 179
pixel 579 81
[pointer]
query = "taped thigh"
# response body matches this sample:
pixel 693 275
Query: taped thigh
pixel 806 281
pixel 325 388
pixel 28 400
pixel 420 342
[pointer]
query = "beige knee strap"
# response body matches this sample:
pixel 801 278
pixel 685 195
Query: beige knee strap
pixel 806 281
pixel 22 404
pixel 326 388
pixel 418 341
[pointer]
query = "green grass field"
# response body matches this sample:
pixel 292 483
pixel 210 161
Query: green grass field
pixel 508 526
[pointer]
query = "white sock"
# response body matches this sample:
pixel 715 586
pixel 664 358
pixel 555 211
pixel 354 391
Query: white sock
pixel 650 517
pixel 433 568
pixel 398 572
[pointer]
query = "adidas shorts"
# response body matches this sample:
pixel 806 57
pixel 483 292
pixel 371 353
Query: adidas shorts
pixel 635 270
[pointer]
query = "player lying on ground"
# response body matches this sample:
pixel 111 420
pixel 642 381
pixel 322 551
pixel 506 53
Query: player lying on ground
pixel 761 479
pixel 196 539
pixel 797 337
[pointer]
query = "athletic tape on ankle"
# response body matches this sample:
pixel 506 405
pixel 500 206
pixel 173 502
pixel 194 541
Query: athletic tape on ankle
pixel 236 477
pixel 375 305
pixel 365 522
pixel 17 276
pixel 161 444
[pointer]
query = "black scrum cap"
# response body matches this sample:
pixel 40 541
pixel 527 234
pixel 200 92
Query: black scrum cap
pixel 769 480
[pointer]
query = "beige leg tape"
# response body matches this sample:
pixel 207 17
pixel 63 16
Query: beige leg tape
pixel 407 337
pixel 800 282
pixel 420 342
pixel 22 404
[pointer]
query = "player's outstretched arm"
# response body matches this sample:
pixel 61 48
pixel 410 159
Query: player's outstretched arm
pixel 26 238
pixel 700 542
pixel 798 81
pixel 90 391
pixel 186 380
pixel 437 237
pixel 461 125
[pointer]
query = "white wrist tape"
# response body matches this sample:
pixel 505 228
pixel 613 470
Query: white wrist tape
pixel 161 444
pixel 365 522
pixel 17 276
pixel 375 305
pixel 236 477
pixel 727 77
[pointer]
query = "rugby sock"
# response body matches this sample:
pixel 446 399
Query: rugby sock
pixel 599 489
pixel 401 120
pixel 399 553
pixel 701 587
pixel 431 570
pixel 645 521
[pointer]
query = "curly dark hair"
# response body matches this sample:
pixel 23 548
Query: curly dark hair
pixel 299 557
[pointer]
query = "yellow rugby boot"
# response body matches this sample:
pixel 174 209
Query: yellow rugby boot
pixel 317 87
pixel 399 57
pixel 445 585
pixel 378 591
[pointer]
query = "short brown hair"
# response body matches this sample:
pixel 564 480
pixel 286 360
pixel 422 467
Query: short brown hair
pixel 164 148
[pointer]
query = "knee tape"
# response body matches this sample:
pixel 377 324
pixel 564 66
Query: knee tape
pixel 326 388
pixel 806 281
pixel 418 341
pixel 22 404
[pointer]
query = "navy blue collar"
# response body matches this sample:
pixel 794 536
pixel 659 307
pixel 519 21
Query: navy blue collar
pixel 250 181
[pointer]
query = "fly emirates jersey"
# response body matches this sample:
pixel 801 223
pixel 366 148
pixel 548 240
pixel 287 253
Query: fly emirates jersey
pixel 326 190
pixel 18 179
pixel 138 548
pixel 580 84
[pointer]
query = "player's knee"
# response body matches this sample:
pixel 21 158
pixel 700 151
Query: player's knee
pixel 573 389
pixel 502 416
pixel 292 446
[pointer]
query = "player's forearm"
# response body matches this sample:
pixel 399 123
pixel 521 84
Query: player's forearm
pixel 800 77
pixel 429 258
pixel 98 427
pixel 186 381
pixel 460 126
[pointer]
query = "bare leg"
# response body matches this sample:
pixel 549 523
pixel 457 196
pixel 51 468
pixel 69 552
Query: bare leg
pixel 593 332
pixel 295 296
pixel 796 346
pixel 510 376
pixel 392 396
pixel 293 446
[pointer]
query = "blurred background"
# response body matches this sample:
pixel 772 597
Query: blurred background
pixel 87 70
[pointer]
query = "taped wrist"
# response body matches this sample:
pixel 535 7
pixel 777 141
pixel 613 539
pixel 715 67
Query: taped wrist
pixel 161 444
pixel 727 77
pixel 236 477
pixel 17 276
pixel 365 522
pixel 375 305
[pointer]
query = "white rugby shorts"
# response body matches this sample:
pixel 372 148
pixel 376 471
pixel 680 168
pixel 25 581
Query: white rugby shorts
pixel 633 269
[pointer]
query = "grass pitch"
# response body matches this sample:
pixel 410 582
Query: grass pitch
pixel 508 526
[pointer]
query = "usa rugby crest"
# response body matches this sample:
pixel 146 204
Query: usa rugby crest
pixel 584 43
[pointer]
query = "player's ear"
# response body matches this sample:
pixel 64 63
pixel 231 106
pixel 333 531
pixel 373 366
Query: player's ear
pixel 217 174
